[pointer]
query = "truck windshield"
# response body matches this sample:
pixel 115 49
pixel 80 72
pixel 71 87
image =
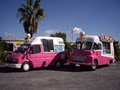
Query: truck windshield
pixel 84 46
pixel 23 47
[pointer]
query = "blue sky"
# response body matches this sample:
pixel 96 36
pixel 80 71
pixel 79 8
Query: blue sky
pixel 94 17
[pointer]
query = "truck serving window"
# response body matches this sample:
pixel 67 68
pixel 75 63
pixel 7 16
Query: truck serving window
pixel 106 48
pixel 48 45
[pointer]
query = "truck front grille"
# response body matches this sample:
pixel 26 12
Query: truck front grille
pixel 78 58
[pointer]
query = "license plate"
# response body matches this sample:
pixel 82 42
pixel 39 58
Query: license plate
pixel 77 65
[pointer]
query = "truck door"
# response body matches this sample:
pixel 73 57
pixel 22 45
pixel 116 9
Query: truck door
pixel 48 51
pixel 98 51
pixel 35 56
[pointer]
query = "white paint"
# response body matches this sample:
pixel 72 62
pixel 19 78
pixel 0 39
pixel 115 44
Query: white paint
pixel 13 65
pixel 96 39
pixel 37 40
pixel 90 38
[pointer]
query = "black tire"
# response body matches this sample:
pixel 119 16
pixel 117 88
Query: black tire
pixel 94 65
pixel 26 67
pixel 82 66
pixel 109 64
pixel 58 64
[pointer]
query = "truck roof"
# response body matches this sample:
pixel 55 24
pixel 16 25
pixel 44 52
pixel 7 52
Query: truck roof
pixel 90 38
pixel 37 40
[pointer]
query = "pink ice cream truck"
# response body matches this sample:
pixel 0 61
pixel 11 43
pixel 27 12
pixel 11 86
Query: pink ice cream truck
pixel 38 52
pixel 92 51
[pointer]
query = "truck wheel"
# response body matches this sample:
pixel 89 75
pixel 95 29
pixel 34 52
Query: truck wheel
pixel 94 65
pixel 25 67
pixel 58 64
pixel 109 64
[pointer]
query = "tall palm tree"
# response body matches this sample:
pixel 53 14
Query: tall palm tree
pixel 31 13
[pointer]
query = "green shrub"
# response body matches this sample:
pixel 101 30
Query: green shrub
pixel 117 50
pixel 4 57
pixel 68 48
pixel 3 54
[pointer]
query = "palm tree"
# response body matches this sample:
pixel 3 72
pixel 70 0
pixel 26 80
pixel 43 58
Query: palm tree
pixel 31 13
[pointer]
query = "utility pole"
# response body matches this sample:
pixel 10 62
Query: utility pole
pixel 72 35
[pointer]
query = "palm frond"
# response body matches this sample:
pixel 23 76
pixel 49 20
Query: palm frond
pixel 24 6
pixel 31 13
pixel 40 14
pixel 31 3
pixel 22 19
pixel 37 4
pixel 27 1
pixel 21 10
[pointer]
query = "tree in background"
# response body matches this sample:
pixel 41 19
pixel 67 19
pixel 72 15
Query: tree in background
pixel 3 48
pixel 31 13
pixel 59 34
pixel 117 50
pixel 68 45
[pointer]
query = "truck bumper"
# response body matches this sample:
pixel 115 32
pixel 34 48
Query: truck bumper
pixel 13 65
pixel 79 63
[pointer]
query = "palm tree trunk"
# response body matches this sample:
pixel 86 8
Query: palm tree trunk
pixel 31 35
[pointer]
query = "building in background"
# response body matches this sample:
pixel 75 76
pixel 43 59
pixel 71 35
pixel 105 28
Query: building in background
pixel 13 44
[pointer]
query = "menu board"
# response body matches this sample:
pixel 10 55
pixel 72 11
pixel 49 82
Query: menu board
pixel 106 38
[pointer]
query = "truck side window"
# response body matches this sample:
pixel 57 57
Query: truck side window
pixel 35 49
pixel 31 50
pixel 97 46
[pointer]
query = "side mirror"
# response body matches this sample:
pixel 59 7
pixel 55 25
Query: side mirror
pixel 25 49
pixel 30 51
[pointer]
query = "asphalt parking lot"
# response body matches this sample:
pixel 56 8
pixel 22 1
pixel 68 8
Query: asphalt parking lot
pixel 104 78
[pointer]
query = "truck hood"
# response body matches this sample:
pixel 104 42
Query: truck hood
pixel 81 52
pixel 15 56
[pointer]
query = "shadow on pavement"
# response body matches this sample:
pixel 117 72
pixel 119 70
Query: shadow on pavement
pixel 8 70
pixel 65 68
